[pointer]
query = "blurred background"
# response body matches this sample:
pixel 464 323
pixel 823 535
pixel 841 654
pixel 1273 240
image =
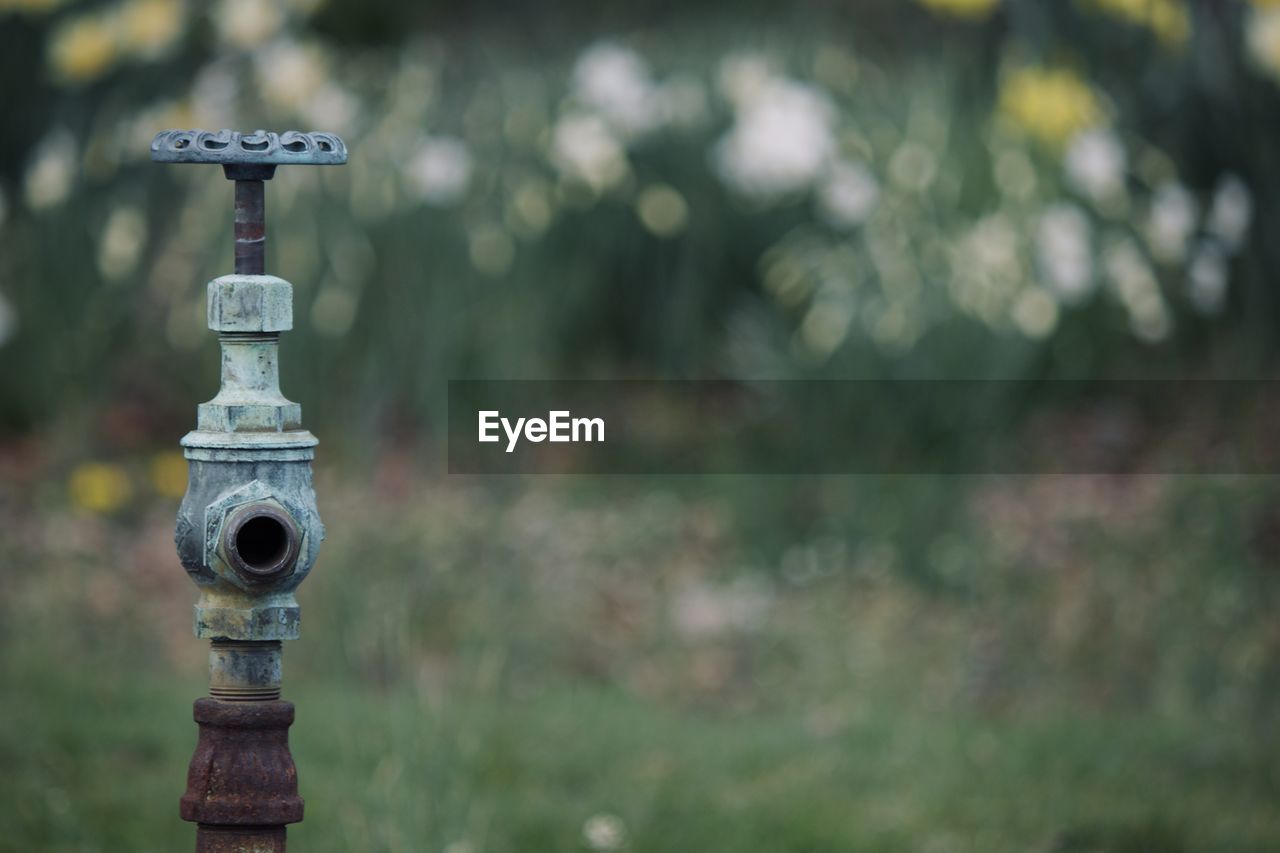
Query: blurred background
pixel 1016 189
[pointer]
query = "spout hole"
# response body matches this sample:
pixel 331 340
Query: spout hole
pixel 262 543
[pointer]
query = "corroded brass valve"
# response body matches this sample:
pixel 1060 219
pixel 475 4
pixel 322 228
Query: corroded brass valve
pixel 248 530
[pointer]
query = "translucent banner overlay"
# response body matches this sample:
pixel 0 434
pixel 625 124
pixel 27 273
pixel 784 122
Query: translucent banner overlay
pixel 864 427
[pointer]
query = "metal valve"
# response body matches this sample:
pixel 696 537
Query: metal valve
pixel 248 530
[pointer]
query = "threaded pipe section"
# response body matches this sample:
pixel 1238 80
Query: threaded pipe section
pixel 249 337
pixel 244 670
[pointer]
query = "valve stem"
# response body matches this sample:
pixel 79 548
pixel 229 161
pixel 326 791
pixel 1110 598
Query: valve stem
pixel 251 228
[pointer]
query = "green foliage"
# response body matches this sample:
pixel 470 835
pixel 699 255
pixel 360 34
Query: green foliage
pixel 578 194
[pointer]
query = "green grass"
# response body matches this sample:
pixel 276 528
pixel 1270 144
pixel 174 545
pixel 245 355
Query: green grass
pixel 93 765
pixel 1050 668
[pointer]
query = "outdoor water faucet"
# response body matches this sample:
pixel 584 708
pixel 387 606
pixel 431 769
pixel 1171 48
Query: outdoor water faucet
pixel 248 530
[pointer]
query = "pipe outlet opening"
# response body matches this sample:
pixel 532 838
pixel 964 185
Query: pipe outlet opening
pixel 261 541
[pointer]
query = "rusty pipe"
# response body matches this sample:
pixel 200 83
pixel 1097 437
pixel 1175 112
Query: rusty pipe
pixel 239 839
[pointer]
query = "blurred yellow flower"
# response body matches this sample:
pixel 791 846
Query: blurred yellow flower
pixel 29 6
pixel 1052 104
pixel 149 27
pixel 83 49
pixel 99 487
pixel 1168 19
pixel 168 474
pixel 662 210
pixel 973 9
pixel 1263 37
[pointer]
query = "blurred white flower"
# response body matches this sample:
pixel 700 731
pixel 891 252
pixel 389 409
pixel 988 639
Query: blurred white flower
pixel 245 23
pixel 848 195
pixel 992 247
pixel 49 177
pixel 986 269
pixel 530 210
pixel 1035 313
pixel 1173 217
pixel 297 76
pixel 213 95
pixel 1139 292
pixel 826 324
pixel 1063 251
pixel 616 82
pixel 1015 174
pixel 131 138
pixel 787 268
pixel 8 320
pixel 1207 278
pixel 913 166
pixel 1095 164
pixel 781 141
pixel 289 73
pixel 121 242
pixel 440 170
pixel 604 832
pixel 331 107
pixel 895 326
pixel 682 101
pixel 741 77
pixel 584 148
pixel 1231 212
pixel 700 610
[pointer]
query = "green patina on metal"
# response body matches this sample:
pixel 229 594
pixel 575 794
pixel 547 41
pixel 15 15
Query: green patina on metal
pixel 249 455
pixel 248 530
pixel 224 147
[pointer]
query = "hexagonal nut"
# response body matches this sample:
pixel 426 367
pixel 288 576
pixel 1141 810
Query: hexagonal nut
pixel 274 621
pixel 250 303
pixel 252 540
pixel 260 542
